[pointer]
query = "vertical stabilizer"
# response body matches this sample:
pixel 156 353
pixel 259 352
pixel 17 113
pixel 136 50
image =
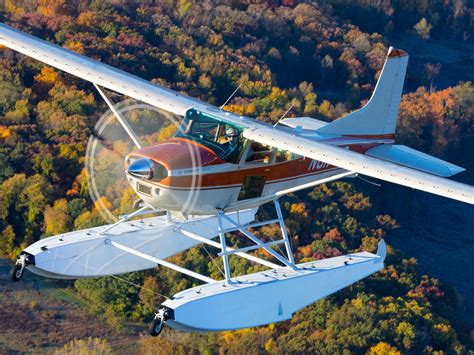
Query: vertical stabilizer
pixel 379 116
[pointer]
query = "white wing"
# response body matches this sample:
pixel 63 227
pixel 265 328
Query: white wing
pixel 361 163
pixel 97 72
pixel 130 85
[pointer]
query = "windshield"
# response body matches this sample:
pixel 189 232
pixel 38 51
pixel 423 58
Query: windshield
pixel 222 138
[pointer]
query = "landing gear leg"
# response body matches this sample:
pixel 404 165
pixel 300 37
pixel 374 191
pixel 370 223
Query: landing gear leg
pixel 17 270
pixel 158 322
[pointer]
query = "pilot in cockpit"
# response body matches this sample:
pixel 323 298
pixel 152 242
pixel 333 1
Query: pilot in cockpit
pixel 230 138
pixel 229 142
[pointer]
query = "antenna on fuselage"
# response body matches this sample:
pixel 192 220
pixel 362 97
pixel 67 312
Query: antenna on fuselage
pixel 230 97
pixel 283 116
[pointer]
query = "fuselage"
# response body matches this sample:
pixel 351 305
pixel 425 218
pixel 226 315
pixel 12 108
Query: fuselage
pixel 199 173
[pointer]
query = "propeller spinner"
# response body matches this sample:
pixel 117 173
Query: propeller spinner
pixel 141 168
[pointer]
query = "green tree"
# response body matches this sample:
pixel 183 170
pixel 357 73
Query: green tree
pixel 23 201
pixel 7 242
pixel 149 297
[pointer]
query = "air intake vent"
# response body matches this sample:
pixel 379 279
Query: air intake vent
pixel 144 189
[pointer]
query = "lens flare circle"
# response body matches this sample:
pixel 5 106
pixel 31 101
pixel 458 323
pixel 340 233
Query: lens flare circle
pixel 109 145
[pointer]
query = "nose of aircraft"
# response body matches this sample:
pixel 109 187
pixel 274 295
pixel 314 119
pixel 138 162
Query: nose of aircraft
pixel 141 168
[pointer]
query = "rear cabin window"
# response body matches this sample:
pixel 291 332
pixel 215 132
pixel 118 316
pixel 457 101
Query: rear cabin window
pixel 283 156
pixel 259 154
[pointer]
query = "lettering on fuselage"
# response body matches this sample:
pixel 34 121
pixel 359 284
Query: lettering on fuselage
pixel 317 165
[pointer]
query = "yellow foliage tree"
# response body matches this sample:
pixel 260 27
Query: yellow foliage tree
pixel 75 46
pixel 56 218
pixel 205 81
pixel 183 7
pixel 166 132
pixel 215 39
pixel 4 132
pixel 299 210
pixel 406 333
pixel 250 109
pixel 102 203
pixel 310 106
pixel 79 186
pixel 237 109
pixel 127 200
pixel 49 7
pixel 383 348
pixel 47 76
pixel 86 19
pixel 278 96
pixel 325 109
pixel 13 7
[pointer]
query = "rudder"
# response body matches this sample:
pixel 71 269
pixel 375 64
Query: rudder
pixel 379 116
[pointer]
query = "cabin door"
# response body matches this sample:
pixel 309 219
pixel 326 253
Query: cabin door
pixel 258 160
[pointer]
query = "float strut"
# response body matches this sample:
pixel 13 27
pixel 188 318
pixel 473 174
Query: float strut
pixel 225 256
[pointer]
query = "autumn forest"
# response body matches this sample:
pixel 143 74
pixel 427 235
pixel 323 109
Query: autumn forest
pixel 320 57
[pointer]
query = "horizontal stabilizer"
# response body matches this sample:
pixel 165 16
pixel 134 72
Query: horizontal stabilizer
pixel 303 122
pixel 362 163
pixel 403 155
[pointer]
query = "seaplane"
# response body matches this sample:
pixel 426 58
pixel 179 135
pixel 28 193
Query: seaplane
pixel 211 178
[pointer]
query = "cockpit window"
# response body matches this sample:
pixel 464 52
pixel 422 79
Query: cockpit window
pixel 221 137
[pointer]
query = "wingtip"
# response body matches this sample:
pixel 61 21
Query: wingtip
pixel 456 170
pixel 396 53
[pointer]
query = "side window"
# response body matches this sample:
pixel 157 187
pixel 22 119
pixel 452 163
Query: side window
pixel 259 154
pixel 283 155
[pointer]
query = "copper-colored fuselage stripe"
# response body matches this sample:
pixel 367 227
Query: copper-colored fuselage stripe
pixel 276 172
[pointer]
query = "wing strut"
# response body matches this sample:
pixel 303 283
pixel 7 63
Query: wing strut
pixel 120 118
pixel 160 261
pixel 126 218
